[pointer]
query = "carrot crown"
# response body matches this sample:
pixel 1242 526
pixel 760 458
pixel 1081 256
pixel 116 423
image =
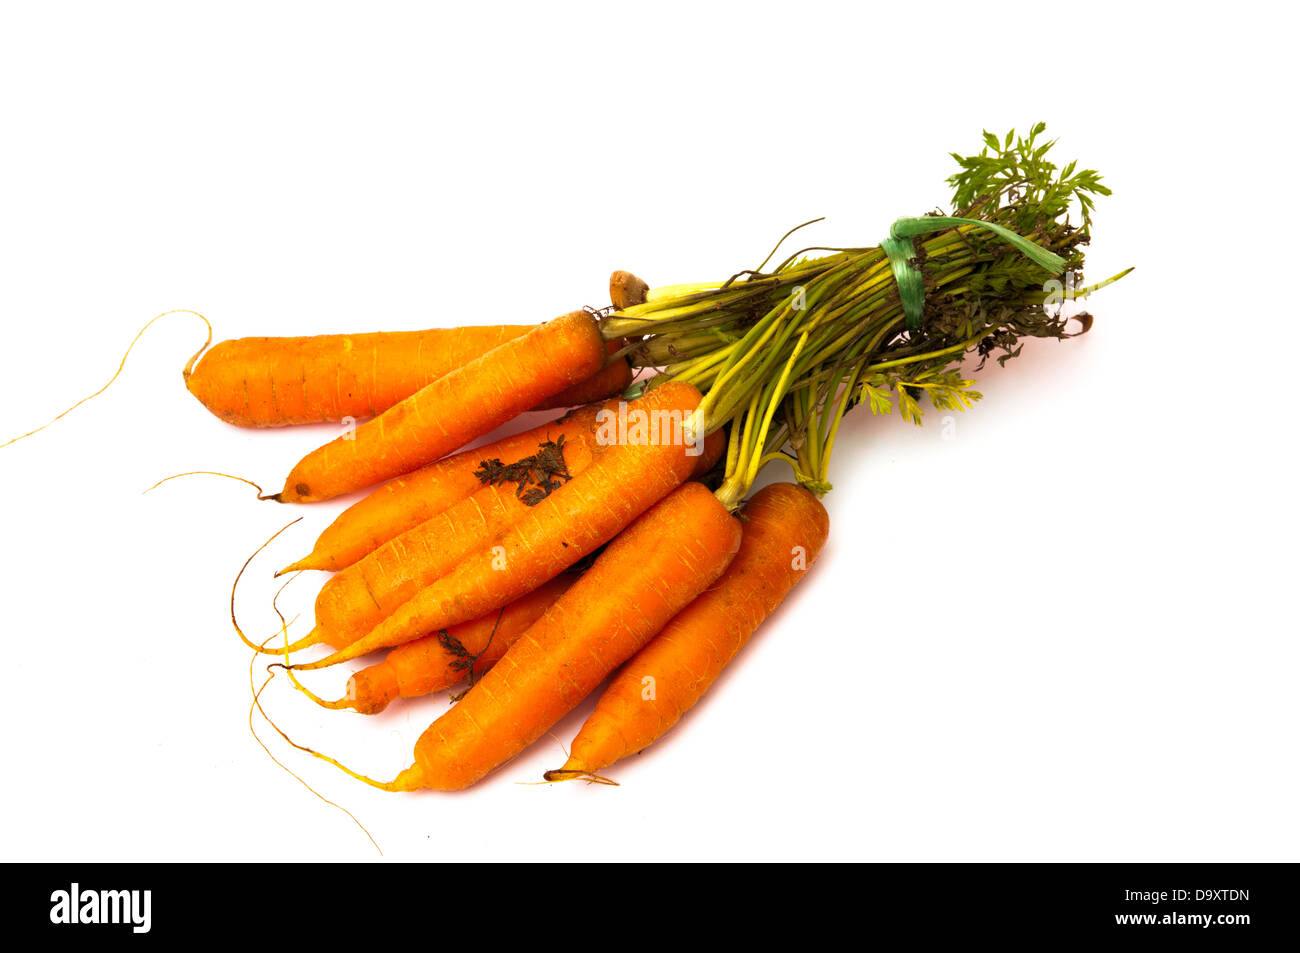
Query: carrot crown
pixel 782 354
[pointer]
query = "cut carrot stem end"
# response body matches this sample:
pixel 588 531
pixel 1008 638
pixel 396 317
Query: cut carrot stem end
pixel 626 290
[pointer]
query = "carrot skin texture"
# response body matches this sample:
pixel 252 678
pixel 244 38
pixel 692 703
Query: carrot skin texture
pixel 408 501
pixel 355 600
pixel 360 597
pixel 325 378
pixel 653 569
pixel 403 503
pixel 426 665
pixel 621 483
pixel 268 381
pixel 689 654
pixel 610 381
pixel 454 409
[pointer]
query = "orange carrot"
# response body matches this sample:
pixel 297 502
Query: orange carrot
pixel 785 528
pixel 612 379
pixel 454 409
pixel 651 571
pixel 277 381
pixel 448 657
pixel 409 500
pixel 361 596
pixel 624 480
pixel 403 503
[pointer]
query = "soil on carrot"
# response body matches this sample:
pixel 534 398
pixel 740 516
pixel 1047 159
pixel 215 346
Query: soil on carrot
pixel 536 476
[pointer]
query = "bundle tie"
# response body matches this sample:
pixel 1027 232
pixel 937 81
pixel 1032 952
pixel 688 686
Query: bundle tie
pixel 901 252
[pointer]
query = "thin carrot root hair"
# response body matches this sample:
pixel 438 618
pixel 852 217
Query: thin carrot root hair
pixel 554 777
pixel 382 785
pixel 261 494
pixel 337 705
pixel 561 774
pixel 185 372
pixel 310 639
pixel 256 704
pixel 287 648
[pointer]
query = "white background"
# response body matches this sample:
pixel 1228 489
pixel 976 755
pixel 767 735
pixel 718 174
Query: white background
pixel 1067 633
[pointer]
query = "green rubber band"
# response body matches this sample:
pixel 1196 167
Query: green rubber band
pixel 900 250
pixel 911 289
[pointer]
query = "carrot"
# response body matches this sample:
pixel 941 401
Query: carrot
pixel 406 501
pixel 623 480
pixel 361 596
pixel 278 381
pixel 452 410
pixel 785 528
pixel 448 657
pixel 612 379
pixel 652 570
pixel 409 500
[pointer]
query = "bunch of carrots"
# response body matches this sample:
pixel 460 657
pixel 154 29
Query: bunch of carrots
pixel 622 543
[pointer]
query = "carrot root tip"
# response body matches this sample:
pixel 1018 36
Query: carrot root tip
pixel 308 563
pixel 570 774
